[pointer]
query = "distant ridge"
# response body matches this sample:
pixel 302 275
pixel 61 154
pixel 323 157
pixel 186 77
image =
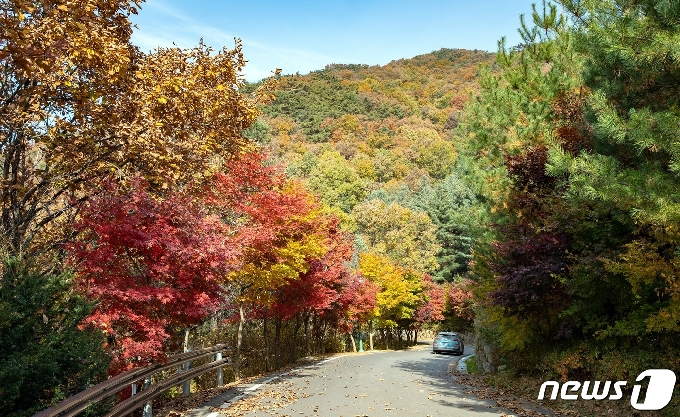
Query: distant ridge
pixel 391 123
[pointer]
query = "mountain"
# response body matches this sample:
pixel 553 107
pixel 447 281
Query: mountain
pixel 355 134
pixel 390 123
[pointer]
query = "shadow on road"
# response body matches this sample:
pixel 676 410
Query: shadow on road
pixel 431 373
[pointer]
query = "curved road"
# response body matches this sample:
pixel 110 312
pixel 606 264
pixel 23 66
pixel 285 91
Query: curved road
pixel 412 382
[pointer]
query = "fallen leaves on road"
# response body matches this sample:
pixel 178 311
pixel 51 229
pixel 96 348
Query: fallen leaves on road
pixel 276 396
pixel 178 406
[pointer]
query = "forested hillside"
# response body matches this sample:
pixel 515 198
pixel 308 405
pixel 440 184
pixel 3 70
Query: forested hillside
pixel 375 144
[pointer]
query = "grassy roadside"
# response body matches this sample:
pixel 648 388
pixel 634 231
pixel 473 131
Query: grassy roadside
pixel 471 364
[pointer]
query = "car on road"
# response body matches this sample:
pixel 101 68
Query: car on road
pixel 448 342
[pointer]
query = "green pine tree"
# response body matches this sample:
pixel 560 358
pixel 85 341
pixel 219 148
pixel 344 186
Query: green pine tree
pixel 45 357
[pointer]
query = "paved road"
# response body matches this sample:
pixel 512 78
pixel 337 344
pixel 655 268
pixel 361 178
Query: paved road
pixel 386 383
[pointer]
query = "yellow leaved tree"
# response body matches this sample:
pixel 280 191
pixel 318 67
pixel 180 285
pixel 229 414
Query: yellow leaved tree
pixel 404 236
pixel 79 103
pixel 400 290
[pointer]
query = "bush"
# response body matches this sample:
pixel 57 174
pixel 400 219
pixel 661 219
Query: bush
pixel 44 357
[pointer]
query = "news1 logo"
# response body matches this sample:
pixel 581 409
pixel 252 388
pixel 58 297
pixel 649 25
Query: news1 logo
pixel 659 390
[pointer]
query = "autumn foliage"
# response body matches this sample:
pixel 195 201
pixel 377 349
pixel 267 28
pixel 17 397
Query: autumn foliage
pixel 151 265
pixel 79 101
pixel 432 310
pixel 155 265
pixel 322 286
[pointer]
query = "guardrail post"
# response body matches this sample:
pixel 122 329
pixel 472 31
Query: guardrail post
pixel 147 411
pixel 186 386
pixel 134 389
pixel 220 372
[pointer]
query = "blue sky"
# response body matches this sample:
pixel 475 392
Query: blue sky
pixel 303 36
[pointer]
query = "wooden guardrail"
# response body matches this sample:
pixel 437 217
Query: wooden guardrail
pixel 79 402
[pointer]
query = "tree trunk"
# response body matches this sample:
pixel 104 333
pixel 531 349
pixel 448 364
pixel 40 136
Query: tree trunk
pixel 308 348
pixel 277 343
pixel 322 337
pixel 315 324
pixel 267 367
pixel 415 337
pixel 239 341
pixel 298 324
pixel 354 345
pixel 370 334
pixel 319 334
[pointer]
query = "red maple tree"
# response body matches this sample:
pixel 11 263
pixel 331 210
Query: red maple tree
pixel 150 265
pixel 433 308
